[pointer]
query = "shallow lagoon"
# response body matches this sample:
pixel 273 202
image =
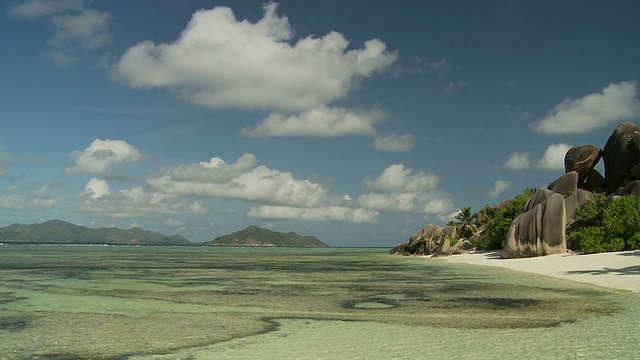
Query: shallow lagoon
pixel 94 302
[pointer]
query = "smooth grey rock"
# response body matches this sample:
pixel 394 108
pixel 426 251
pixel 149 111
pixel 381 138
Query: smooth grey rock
pixel 539 231
pixel 620 155
pixel 522 238
pixel 554 224
pixel 632 188
pixel 573 202
pixel 566 184
pixel 443 246
pixel 582 159
pixel 428 238
pixel 539 197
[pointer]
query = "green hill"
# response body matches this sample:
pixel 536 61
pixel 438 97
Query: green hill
pixel 255 236
pixel 62 232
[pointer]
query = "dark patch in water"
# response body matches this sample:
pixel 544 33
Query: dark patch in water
pixel 15 323
pixel 500 303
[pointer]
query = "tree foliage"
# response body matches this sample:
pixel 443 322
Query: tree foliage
pixel 466 223
pixel 608 224
pixel 499 221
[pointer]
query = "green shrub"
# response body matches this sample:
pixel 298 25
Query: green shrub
pixel 500 221
pixel 608 224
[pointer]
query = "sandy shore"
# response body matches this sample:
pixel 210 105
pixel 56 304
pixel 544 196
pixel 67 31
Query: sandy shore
pixel 619 270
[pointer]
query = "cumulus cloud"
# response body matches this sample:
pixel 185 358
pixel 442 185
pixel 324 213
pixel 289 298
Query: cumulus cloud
pixel 28 197
pixel 239 180
pixel 73 23
pixel 101 155
pixel 42 198
pixel 518 161
pixel 397 178
pixel 429 202
pixel 395 142
pixel 616 103
pixel 319 122
pixel 89 28
pixel 221 62
pixel 135 202
pixel 322 213
pixel 499 187
pixel 553 158
pixel 399 189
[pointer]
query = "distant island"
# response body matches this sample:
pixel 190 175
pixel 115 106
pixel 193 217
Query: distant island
pixel 255 236
pixel 62 232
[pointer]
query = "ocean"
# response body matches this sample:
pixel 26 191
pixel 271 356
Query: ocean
pixel 148 302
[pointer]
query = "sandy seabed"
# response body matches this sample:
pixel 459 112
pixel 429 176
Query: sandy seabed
pixel 617 270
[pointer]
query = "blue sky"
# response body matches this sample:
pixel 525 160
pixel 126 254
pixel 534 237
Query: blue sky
pixel 356 123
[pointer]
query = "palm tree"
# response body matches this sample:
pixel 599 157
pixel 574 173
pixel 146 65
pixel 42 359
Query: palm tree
pixel 465 222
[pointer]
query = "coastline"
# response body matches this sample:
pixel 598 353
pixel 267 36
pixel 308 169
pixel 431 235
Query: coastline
pixel 616 270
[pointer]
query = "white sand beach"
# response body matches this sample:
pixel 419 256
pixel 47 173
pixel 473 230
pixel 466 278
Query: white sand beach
pixel 618 270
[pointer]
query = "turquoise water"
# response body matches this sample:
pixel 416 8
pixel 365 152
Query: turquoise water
pixel 82 302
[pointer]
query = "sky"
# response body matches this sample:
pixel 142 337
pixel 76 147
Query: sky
pixel 356 122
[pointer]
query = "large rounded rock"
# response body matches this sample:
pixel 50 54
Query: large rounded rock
pixel 573 202
pixel 523 238
pixel 566 184
pixel 425 241
pixel 582 159
pixel 554 223
pixel 539 231
pixel 540 196
pixel 621 154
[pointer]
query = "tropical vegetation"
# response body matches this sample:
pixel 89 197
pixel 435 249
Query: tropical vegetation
pixel 608 224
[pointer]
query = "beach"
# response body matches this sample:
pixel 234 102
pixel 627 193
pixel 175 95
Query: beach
pixel 616 270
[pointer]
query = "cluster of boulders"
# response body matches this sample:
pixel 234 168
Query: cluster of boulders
pixel 434 240
pixel 542 228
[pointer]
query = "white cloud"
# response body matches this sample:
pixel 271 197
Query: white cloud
pixel 101 155
pixel 398 189
pixel 41 198
pixel 394 142
pixel 616 103
pixel 553 158
pixel 219 62
pixel 12 202
pixel 518 161
pixel 319 122
pixel 456 87
pixel 240 180
pixel 397 178
pixel 98 197
pixel 32 9
pixel 89 28
pixel 499 187
pixel 431 202
pixel 73 23
pixel 323 213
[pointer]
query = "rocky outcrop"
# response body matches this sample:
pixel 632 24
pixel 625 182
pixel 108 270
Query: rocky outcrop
pixel 582 159
pixel 549 216
pixel 621 156
pixel 539 231
pixel 566 184
pixel 427 241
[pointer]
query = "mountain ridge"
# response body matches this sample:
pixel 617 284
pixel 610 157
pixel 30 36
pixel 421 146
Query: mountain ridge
pixel 255 236
pixel 62 232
